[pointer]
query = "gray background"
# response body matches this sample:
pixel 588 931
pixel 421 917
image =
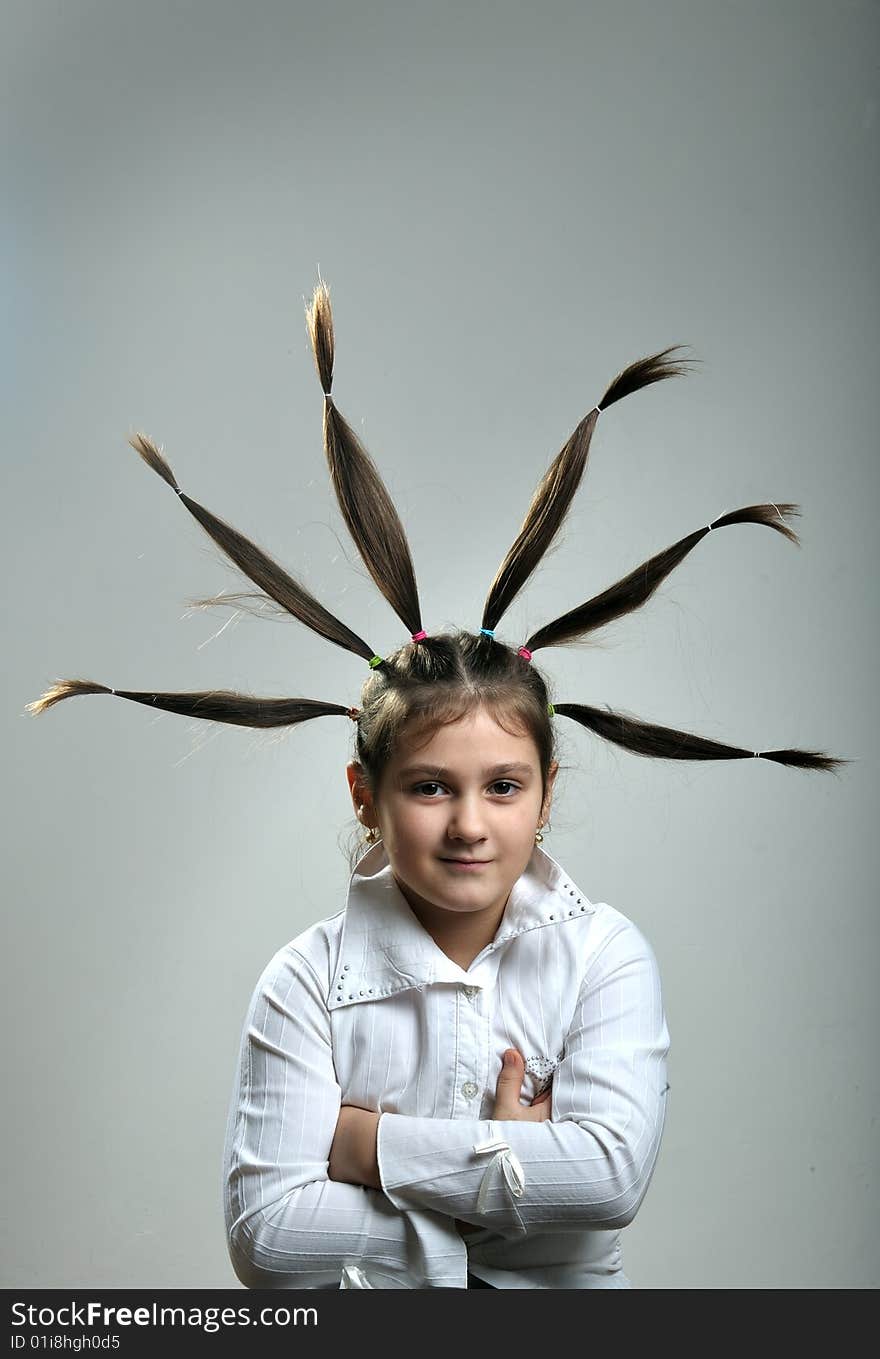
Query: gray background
pixel 509 205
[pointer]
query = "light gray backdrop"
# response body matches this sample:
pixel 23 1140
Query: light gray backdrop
pixel 509 203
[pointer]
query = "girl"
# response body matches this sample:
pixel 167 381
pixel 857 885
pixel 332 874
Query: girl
pixel 459 1079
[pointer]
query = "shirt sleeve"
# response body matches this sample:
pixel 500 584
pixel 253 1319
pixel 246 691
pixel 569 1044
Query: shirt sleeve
pixel 287 1224
pixel 587 1166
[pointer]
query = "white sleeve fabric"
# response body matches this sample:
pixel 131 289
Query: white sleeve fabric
pixel 589 1165
pixel 287 1224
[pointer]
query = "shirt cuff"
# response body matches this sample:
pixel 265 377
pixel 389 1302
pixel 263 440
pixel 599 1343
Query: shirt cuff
pixel 464 1168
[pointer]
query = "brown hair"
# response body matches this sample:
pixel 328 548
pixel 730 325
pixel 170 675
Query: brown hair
pixel 435 679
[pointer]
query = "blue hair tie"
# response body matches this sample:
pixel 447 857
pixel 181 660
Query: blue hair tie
pixel 490 632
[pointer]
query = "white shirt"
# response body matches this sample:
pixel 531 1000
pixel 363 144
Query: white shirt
pixel 365 1008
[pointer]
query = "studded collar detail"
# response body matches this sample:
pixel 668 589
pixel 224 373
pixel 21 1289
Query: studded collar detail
pixel 384 948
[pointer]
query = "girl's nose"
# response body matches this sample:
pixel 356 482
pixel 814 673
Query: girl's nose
pixel 467 822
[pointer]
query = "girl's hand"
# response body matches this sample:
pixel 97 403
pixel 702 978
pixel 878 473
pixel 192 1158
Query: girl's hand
pixel 508 1089
pixel 353 1152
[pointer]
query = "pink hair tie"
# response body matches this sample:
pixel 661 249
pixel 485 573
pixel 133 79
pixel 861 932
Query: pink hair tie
pixel 525 653
pixel 417 636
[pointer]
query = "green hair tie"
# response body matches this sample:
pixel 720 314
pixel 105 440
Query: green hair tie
pixel 550 709
pixel 377 660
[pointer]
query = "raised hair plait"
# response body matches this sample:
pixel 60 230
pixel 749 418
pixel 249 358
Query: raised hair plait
pixel 378 533
pixel 416 637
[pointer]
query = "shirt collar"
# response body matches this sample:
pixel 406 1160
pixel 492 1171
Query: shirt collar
pixel 384 948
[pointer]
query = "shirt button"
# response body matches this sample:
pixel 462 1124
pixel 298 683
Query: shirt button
pixel 471 991
pixel 469 1089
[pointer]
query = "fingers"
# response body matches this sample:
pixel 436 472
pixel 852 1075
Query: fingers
pixel 508 1087
pixel 509 1091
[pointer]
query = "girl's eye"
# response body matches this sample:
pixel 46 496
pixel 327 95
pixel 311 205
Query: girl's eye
pixel 420 787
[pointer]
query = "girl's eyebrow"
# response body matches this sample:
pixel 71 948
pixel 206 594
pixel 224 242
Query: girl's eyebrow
pixel 439 773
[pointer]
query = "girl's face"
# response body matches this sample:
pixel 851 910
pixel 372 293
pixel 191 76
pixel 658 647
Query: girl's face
pixel 472 793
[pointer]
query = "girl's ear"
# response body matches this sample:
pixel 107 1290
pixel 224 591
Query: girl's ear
pixel 551 780
pixel 355 775
pixel 359 789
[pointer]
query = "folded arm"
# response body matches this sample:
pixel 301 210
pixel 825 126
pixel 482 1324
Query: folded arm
pixel 590 1164
pixel 287 1224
